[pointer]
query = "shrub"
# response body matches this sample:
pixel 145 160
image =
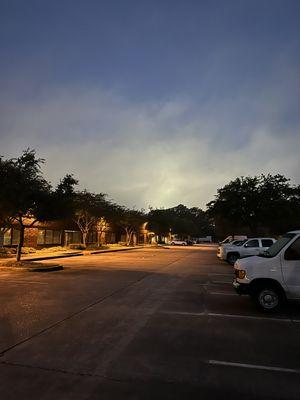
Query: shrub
pixel 53 249
pixel 77 246
pixel 28 250
pixel 7 250
pixel 95 247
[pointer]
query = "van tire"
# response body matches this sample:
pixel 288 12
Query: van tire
pixel 268 297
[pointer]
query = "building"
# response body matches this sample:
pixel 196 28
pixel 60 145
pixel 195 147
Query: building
pixel 65 233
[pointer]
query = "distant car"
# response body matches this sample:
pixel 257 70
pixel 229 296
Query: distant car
pixel 190 242
pixel 179 243
pixel 250 247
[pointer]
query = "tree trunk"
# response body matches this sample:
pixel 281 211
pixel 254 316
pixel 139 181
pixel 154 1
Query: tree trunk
pixel 21 242
pixel 129 238
pixel 84 237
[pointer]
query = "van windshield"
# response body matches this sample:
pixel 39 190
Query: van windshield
pixel 278 245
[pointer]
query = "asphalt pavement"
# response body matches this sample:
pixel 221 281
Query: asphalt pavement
pixel 149 324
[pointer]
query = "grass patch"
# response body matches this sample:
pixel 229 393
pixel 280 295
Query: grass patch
pixel 26 265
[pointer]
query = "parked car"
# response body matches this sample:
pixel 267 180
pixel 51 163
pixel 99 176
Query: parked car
pixel 204 239
pixel 250 247
pixel 179 243
pixel 274 276
pixel 190 242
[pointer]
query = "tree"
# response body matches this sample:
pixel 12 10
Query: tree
pixel 160 222
pixel 180 220
pixel 265 203
pixel 131 221
pixel 238 201
pixel 92 211
pixel 25 196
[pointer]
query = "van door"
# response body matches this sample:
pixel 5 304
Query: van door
pixel 290 262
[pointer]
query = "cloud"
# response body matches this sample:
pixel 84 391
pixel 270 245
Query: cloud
pixel 151 153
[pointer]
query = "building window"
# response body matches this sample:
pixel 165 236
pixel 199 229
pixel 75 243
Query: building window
pixel 72 237
pixel 92 237
pixel 48 236
pixel 11 237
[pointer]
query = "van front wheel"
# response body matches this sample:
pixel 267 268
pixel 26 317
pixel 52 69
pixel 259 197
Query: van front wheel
pixel 268 298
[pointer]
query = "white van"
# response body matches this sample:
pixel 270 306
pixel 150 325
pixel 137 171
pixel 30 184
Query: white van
pixel 271 277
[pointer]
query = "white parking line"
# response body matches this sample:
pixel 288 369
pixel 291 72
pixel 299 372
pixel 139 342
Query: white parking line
pixel 221 282
pixel 222 293
pixel 237 316
pixel 253 366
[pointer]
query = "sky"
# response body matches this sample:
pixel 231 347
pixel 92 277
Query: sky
pixel 156 102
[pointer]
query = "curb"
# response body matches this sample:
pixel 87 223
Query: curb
pixel 115 250
pixel 82 254
pixel 46 269
pixel 54 257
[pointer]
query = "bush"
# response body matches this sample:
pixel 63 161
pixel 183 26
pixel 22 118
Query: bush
pixel 28 250
pixel 77 246
pixel 53 249
pixel 7 250
pixel 95 247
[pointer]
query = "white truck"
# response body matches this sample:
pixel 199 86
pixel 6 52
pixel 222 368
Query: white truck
pixel 230 239
pixel 274 276
pixel 246 248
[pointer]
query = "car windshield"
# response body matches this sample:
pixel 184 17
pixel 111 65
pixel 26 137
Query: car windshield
pixel 240 242
pixel 277 246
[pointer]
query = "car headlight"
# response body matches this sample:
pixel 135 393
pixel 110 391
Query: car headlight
pixel 240 273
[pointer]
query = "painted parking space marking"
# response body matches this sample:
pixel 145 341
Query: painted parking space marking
pixel 237 316
pixel 222 294
pixel 221 283
pixel 253 366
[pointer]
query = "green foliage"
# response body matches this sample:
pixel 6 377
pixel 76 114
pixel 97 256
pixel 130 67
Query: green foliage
pixel 77 246
pixel 28 250
pixel 130 221
pixel 96 247
pixel 90 211
pixel 265 203
pixel 180 220
pixel 26 197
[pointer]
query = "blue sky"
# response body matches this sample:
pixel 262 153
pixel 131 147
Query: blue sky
pixel 153 102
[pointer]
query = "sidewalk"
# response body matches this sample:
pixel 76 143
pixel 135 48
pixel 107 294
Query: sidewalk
pixel 51 256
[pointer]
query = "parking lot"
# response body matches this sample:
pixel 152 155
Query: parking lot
pixel 145 324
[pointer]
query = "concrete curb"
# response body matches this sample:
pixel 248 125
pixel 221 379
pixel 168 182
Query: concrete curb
pixel 50 268
pixel 116 250
pixel 52 257
pixel 45 269
pixel 81 254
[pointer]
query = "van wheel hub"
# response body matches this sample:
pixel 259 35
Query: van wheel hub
pixel 268 299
